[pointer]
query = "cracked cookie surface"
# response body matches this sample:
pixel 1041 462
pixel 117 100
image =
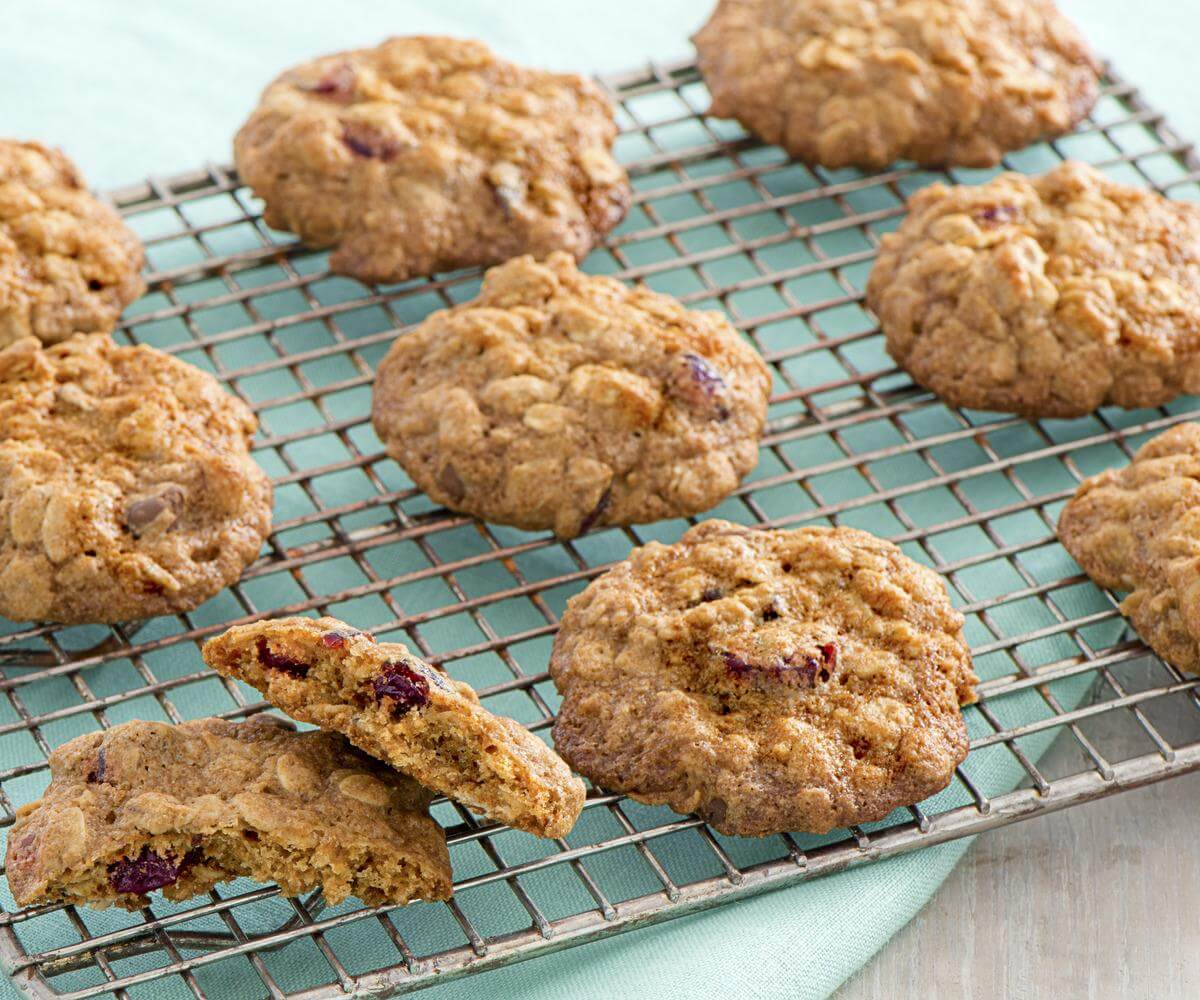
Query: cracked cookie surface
pixel 767 680
pixel 1045 296
pixel 399 709
pixel 127 489
pixel 426 154
pixel 868 82
pixel 147 806
pixel 1137 529
pixel 68 264
pixel 564 401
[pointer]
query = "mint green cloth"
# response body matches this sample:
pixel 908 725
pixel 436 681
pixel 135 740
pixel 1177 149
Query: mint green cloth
pixel 135 88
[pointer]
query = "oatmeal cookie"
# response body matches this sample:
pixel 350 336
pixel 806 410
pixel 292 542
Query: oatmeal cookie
pixel 398 708
pixel 1137 529
pixel 1045 296
pixel 560 400
pixel 767 680
pixel 868 82
pixel 67 263
pixel 127 489
pixel 148 806
pixel 427 154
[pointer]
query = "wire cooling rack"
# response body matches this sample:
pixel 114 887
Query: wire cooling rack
pixel 719 221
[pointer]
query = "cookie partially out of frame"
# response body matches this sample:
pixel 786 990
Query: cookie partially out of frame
pixel 767 680
pixel 1045 296
pixel 147 806
pixel 127 489
pixel 868 82
pixel 560 400
pixel 1137 529
pixel 426 154
pixel 399 709
pixel 68 264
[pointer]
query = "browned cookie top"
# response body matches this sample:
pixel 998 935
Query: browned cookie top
pixel 1138 529
pixel 127 489
pixel 148 806
pixel 560 400
pixel 67 262
pixel 426 154
pixel 1046 296
pixel 868 82
pixel 768 680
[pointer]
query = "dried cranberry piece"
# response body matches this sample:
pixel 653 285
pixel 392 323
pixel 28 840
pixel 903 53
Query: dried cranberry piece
pixel 337 638
pixel 337 83
pixel 997 213
pixel 700 385
pixel 711 594
pixel 737 666
pixel 145 872
pixel 97 774
pixel 596 512
pixel 277 661
pixel 366 140
pixel 405 687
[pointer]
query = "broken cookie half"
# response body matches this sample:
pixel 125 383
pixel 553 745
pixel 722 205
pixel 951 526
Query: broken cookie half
pixel 399 709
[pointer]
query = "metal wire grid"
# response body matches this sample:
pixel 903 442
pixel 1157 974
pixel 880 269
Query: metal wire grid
pixel 719 221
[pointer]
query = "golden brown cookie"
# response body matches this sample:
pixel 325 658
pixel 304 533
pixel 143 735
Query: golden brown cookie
pixel 127 489
pixel 868 82
pixel 1137 529
pixel 427 154
pixel 401 710
pixel 1046 296
pixel 564 401
pixel 68 264
pixel 767 680
pixel 148 806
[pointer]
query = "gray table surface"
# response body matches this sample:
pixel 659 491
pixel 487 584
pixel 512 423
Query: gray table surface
pixel 1100 901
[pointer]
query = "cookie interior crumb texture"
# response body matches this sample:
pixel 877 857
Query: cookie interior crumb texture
pixel 1137 529
pixel 68 264
pixel 768 680
pixel 868 82
pixel 1046 296
pixel 127 489
pixel 399 709
pixel 426 154
pixel 146 806
pixel 565 401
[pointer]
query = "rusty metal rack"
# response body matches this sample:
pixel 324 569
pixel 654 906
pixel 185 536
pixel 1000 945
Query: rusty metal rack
pixel 720 221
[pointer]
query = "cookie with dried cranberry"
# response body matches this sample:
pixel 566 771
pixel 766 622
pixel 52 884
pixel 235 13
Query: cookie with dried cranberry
pixel 867 82
pixel 68 264
pixel 427 154
pixel 399 709
pixel 127 489
pixel 767 680
pixel 145 806
pixel 1045 296
pixel 564 401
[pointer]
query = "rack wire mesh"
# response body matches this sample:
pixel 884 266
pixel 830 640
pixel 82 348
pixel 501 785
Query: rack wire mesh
pixel 719 221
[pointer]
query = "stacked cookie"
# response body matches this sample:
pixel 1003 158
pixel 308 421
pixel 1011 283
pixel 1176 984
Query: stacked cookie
pixel 766 680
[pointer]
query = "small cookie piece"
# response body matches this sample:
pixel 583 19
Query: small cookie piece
pixel 127 489
pixel 398 708
pixel 147 806
pixel 428 154
pixel 767 680
pixel 1137 529
pixel 1047 296
pixel 867 82
pixel 68 264
pixel 560 400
